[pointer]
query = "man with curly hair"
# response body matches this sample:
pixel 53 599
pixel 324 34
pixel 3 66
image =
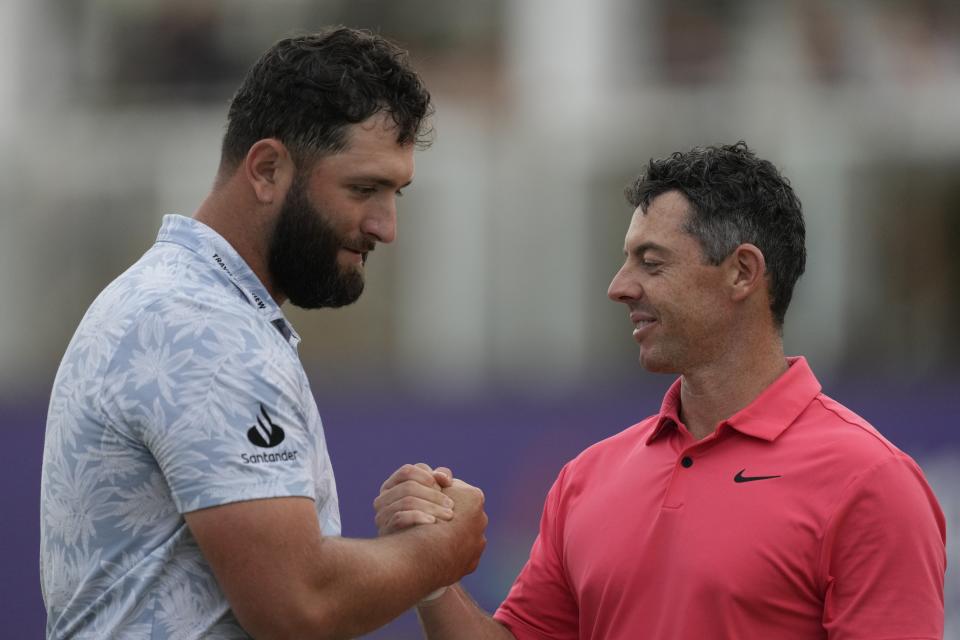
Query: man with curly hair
pixel 187 490
pixel 751 505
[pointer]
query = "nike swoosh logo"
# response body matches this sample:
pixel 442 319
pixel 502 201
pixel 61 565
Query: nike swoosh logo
pixel 742 478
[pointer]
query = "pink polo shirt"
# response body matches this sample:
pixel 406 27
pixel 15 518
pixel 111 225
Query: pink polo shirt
pixel 795 520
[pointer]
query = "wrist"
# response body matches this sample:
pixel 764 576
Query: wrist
pixel 434 596
pixel 438 555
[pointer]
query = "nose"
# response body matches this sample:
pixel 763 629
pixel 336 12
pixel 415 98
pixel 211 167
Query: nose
pixel 381 223
pixel 622 289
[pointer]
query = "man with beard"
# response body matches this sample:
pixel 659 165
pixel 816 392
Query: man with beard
pixel 187 491
pixel 751 505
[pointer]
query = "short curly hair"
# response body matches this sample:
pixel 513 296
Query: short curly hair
pixel 735 197
pixel 306 90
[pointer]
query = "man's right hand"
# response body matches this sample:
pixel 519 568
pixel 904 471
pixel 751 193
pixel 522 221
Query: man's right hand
pixel 412 496
pixel 468 525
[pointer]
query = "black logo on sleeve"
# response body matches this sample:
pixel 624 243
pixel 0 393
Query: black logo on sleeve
pixel 265 433
pixel 742 478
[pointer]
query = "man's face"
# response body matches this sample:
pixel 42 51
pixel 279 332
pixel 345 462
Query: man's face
pixel 335 213
pixel 675 298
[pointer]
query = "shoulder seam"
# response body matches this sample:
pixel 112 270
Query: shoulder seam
pixel 873 434
pixel 102 381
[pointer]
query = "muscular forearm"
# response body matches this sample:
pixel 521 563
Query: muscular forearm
pixel 360 585
pixel 455 616
pixel 284 579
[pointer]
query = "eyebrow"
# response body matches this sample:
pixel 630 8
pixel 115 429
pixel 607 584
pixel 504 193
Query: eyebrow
pixel 642 248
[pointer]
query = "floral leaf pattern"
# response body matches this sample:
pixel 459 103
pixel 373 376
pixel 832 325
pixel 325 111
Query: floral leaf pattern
pixel 148 419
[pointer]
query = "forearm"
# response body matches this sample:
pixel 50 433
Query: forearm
pixel 360 585
pixel 455 616
pixel 284 579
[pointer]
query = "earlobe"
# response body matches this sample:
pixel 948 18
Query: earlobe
pixel 268 169
pixel 749 270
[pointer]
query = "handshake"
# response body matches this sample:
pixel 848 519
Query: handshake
pixel 419 495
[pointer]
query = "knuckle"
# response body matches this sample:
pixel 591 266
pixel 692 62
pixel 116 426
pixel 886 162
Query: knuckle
pixel 395 476
pixel 411 486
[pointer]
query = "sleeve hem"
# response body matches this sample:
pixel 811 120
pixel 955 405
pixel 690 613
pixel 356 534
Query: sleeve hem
pixel 245 494
pixel 520 630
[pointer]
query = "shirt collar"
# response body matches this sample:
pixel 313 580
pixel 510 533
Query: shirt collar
pixel 221 256
pixel 769 415
pixel 669 411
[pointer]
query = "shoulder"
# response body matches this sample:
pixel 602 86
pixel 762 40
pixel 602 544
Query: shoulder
pixel 171 295
pixel 164 300
pixel 848 455
pixel 198 333
pixel 846 432
pixel 167 281
pixel 175 326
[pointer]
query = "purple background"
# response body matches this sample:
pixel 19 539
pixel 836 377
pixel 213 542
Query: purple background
pixel 509 443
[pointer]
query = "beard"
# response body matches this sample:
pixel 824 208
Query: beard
pixel 303 256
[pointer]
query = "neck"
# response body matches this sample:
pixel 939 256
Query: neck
pixel 237 220
pixel 714 392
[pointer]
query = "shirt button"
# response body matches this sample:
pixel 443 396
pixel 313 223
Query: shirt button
pixel 687 462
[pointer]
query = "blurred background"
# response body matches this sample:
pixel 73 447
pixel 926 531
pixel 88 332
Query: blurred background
pixel 485 340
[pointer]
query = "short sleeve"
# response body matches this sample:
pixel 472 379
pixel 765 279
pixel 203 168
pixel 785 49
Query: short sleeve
pixel 541 605
pixel 884 557
pixel 215 398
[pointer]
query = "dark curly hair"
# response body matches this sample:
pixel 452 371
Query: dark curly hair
pixel 735 197
pixel 306 90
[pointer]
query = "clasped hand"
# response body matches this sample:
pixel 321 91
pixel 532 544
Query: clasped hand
pixel 417 494
pixel 414 495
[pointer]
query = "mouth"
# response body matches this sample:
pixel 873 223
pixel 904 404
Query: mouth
pixel 357 255
pixel 642 324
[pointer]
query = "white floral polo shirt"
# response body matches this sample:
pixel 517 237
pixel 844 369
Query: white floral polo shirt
pixel 180 390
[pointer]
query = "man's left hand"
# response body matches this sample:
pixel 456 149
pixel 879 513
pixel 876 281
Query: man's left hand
pixel 412 495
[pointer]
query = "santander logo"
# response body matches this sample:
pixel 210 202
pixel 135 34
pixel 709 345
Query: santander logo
pixel 265 433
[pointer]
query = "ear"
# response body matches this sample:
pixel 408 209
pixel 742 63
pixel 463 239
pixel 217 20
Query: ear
pixel 748 271
pixel 269 170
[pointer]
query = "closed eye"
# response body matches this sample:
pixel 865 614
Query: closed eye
pixel 364 190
